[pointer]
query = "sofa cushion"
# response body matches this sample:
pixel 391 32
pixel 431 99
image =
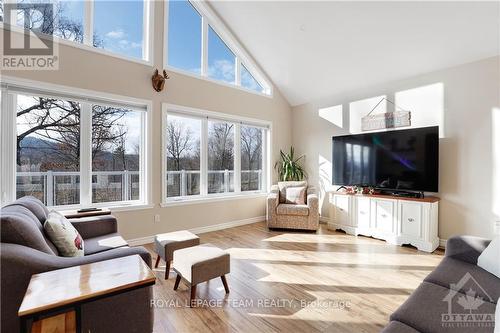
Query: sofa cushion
pixel 290 209
pixel 34 205
pixel 65 237
pixel 428 310
pixel 20 226
pixel 489 259
pixel 104 243
pixel 284 185
pixel 453 273
pixel 296 195
pixel 398 327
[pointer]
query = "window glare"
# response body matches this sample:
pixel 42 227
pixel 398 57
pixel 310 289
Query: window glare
pixel 221 61
pixel 184 36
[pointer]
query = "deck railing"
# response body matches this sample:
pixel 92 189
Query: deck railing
pixel 56 188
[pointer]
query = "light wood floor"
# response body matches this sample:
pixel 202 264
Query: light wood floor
pixel 295 282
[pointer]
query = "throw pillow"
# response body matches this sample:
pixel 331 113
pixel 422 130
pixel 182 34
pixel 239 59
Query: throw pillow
pixel 296 195
pixel 64 236
pixel 489 258
pixel 284 185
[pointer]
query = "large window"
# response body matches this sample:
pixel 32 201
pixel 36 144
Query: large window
pixel 197 42
pixel 220 157
pixel 116 151
pixel 184 35
pixel 48 149
pixel 183 156
pixel 73 151
pixel 118 26
pixel 209 154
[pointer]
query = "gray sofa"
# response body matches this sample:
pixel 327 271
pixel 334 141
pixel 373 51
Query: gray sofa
pixel 25 250
pixel 442 296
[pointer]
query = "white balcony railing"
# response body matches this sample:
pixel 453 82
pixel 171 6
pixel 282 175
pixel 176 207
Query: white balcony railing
pixel 56 188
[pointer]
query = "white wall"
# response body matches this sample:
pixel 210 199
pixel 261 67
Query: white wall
pixel 463 100
pixel 89 70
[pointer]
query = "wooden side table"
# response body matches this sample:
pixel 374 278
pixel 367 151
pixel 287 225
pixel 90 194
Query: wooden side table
pixel 54 299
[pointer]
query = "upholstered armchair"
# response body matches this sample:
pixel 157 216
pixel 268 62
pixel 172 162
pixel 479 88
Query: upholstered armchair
pixel 288 214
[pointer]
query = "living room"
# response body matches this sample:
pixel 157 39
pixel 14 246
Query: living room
pixel 185 166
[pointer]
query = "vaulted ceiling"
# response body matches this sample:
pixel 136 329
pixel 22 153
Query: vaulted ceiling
pixel 312 50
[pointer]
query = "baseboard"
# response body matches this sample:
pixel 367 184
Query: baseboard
pixel 442 242
pixel 201 230
pixel 324 219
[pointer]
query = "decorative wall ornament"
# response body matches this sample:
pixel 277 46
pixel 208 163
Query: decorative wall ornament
pixel 159 81
pixel 385 120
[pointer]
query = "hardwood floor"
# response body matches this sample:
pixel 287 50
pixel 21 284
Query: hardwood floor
pixel 295 282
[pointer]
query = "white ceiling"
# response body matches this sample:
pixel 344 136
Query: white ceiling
pixel 312 50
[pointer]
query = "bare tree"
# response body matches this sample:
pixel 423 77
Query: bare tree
pixel 251 147
pixel 51 20
pixel 57 123
pixel 180 142
pixel 220 146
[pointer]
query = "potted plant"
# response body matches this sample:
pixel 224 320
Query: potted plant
pixel 289 168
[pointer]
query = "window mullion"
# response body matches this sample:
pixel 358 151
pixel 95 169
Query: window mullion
pixel 86 154
pixel 265 183
pixel 204 157
pixel 237 157
pixel 147 29
pixel 204 46
pixel 88 23
pixel 237 66
pixel 8 147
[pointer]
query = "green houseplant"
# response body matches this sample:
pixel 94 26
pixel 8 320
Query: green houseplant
pixel 289 167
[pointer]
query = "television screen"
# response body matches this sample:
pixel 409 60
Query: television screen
pixel 395 160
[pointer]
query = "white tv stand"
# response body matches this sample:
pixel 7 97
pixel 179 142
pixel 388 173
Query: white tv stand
pixel 397 220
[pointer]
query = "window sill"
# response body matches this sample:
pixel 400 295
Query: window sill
pixel 210 199
pixel 112 208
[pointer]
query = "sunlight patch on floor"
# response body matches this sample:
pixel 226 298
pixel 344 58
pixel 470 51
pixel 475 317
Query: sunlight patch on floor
pixel 323 239
pixel 330 257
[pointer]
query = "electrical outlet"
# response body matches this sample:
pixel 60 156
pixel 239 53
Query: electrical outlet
pixel 157 218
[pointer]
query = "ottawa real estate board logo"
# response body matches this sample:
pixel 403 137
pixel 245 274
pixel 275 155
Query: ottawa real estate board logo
pixel 470 309
pixel 28 41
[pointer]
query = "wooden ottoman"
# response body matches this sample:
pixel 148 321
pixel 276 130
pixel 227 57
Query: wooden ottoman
pixel 199 264
pixel 166 244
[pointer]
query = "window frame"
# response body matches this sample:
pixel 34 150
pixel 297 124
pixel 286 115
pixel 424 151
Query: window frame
pixel 88 27
pixel 210 18
pixel 8 135
pixel 205 116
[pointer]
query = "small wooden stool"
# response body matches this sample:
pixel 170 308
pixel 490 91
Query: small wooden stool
pixel 166 244
pixel 199 264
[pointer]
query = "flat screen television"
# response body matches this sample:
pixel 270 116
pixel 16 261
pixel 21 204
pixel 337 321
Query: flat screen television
pixel 402 160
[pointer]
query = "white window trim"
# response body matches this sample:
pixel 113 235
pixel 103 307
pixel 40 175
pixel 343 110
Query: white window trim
pixel 88 26
pixel 8 142
pixel 204 197
pixel 242 57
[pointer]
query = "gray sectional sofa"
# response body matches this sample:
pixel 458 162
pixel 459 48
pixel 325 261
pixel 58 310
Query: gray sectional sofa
pixel 458 296
pixel 25 250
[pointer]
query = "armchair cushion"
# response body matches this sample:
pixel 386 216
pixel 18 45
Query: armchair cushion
pixel 292 209
pixel 284 185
